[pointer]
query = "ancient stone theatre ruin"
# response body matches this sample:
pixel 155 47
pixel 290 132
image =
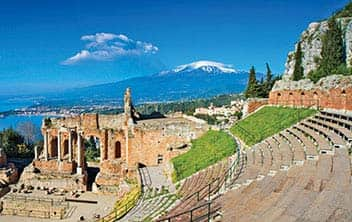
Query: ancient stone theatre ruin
pixel 125 140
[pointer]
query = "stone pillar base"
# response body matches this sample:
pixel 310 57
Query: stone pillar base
pixel 79 171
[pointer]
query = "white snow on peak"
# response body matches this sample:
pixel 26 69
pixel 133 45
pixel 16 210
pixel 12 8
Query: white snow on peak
pixel 208 66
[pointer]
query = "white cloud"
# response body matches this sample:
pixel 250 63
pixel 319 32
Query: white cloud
pixel 109 46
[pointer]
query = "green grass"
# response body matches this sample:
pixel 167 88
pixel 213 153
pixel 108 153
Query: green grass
pixel 210 148
pixel 268 121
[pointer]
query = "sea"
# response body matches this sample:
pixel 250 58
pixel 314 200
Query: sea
pixel 13 120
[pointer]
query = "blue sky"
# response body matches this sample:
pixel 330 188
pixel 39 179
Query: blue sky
pixel 44 44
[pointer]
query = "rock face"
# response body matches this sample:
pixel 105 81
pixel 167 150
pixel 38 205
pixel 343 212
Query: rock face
pixel 325 84
pixel 311 44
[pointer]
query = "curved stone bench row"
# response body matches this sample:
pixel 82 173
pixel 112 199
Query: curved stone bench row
pixel 199 182
pixel 309 191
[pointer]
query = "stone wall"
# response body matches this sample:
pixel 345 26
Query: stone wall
pixel 253 104
pixel 332 92
pixel 122 145
pixel 39 208
pixel 125 142
pixel 53 166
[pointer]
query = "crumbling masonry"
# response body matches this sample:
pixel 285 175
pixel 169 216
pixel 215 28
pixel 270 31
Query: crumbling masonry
pixel 125 142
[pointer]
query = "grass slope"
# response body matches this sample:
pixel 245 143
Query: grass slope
pixel 268 121
pixel 210 148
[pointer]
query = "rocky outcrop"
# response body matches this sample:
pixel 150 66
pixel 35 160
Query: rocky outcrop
pixel 325 84
pixel 311 44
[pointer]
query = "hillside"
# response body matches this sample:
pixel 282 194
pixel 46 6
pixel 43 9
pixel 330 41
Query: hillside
pixel 268 121
pixel 200 79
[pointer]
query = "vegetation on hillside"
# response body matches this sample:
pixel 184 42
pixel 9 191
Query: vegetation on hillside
pixel 15 145
pixel 268 121
pixel 333 54
pixel 260 89
pixel 345 12
pixel 212 147
pixel 187 107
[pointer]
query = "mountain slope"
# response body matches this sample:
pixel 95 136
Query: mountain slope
pixel 194 80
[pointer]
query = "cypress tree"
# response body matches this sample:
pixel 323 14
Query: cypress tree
pixel 252 84
pixel 333 50
pixel 298 73
pixel 269 81
pixel 269 74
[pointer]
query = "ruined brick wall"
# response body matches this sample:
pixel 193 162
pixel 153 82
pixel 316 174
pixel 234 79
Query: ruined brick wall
pixel 254 104
pixel 146 141
pixel 335 98
pixel 52 166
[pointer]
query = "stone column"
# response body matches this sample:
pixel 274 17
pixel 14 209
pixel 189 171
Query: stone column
pixel 79 153
pixel 69 145
pixel 36 152
pixel 59 146
pixel 46 141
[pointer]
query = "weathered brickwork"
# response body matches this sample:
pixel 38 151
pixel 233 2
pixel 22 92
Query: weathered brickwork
pixel 124 141
pixel 333 99
pixel 253 104
pixel 332 92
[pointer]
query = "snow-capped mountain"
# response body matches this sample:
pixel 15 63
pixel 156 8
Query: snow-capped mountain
pixel 194 80
pixel 204 66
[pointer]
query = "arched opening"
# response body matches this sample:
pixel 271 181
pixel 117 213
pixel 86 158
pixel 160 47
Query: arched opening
pixel 343 92
pixel 53 147
pixel 315 95
pixel 118 149
pixel 291 100
pixel 302 101
pixel 65 150
pixel 279 94
pixel 92 148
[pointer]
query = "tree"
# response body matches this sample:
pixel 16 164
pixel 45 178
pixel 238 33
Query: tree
pixel 269 74
pixel 298 71
pixel 332 54
pixel 332 50
pixel 14 144
pixel 252 84
pixel 28 130
pixel 269 81
pixel 92 152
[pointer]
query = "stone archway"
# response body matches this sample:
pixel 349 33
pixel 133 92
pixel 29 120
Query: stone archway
pixel 65 148
pixel 117 149
pixel 92 147
pixel 53 147
pixel 91 152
